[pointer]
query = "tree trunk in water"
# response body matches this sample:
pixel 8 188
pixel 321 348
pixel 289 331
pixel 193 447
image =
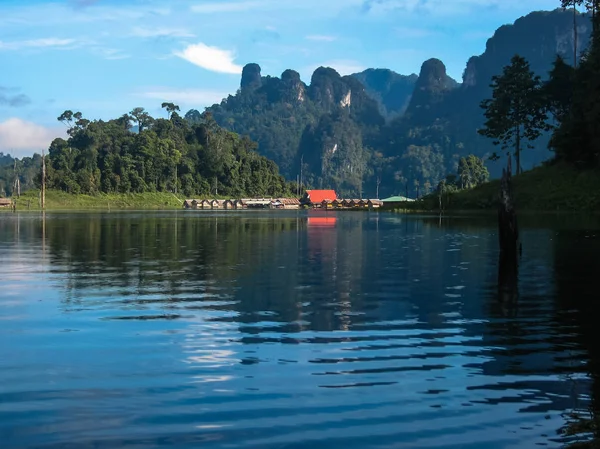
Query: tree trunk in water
pixel 43 180
pixel 508 234
pixel 517 154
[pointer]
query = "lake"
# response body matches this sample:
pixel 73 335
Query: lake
pixel 292 329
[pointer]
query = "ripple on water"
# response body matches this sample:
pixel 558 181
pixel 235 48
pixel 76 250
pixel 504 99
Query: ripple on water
pixel 146 330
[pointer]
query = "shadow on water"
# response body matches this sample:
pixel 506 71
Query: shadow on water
pixel 577 267
pixel 508 281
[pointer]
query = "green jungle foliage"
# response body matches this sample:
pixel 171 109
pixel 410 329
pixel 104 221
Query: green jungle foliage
pixel 26 170
pixel 173 155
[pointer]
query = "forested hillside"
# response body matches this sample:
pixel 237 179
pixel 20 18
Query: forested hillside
pixel 336 126
pixel 171 155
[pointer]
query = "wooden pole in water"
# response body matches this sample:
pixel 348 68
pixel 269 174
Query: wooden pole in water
pixel 508 237
pixel 43 198
pixel 507 217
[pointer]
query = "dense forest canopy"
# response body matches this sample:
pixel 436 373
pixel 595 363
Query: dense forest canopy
pixel 165 155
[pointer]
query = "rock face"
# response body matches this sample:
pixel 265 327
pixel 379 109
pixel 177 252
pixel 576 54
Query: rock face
pixel 538 37
pixel 293 84
pixel 327 87
pixel 251 78
pixel 431 89
pixel 391 90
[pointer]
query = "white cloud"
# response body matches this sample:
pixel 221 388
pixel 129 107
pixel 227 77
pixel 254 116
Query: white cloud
pixel 20 138
pixel 160 32
pixel 190 97
pixel 38 43
pixel 210 58
pixel 220 7
pixel 321 38
pixel 111 54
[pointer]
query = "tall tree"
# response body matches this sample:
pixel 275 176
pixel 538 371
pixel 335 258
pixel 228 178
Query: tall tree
pixel 592 6
pixel 170 107
pixel 472 172
pixel 558 90
pixel 514 113
pixel 141 117
pixel 577 139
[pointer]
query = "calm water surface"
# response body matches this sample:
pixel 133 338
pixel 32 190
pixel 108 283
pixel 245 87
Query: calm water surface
pixel 291 330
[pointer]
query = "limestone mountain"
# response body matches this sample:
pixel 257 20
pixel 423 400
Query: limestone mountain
pixel 444 116
pixel 296 123
pixel 431 92
pixel 336 125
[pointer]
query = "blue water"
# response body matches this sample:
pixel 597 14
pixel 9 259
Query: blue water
pixel 289 329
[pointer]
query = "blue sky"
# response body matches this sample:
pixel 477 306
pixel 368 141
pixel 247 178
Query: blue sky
pixel 105 57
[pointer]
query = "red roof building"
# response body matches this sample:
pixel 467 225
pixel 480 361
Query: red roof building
pixel 317 196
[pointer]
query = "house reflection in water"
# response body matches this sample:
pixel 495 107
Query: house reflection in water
pixel 322 238
pixel 324 256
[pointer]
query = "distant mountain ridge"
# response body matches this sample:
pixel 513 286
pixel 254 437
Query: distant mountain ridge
pixel 381 127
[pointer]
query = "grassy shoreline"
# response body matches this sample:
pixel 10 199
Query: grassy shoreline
pixel 57 200
pixel 553 188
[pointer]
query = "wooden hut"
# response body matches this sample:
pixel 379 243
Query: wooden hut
pixel 5 202
pixel 205 204
pixel 216 204
pixel 337 204
pixel 374 204
pixel 239 204
pixel 258 203
pixel 228 204
pixel 327 204
pixel 362 203
pixel 346 203
pixel 289 203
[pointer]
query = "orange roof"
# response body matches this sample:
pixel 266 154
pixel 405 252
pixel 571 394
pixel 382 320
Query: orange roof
pixel 317 196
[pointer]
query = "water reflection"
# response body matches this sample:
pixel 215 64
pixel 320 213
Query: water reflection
pixel 291 329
